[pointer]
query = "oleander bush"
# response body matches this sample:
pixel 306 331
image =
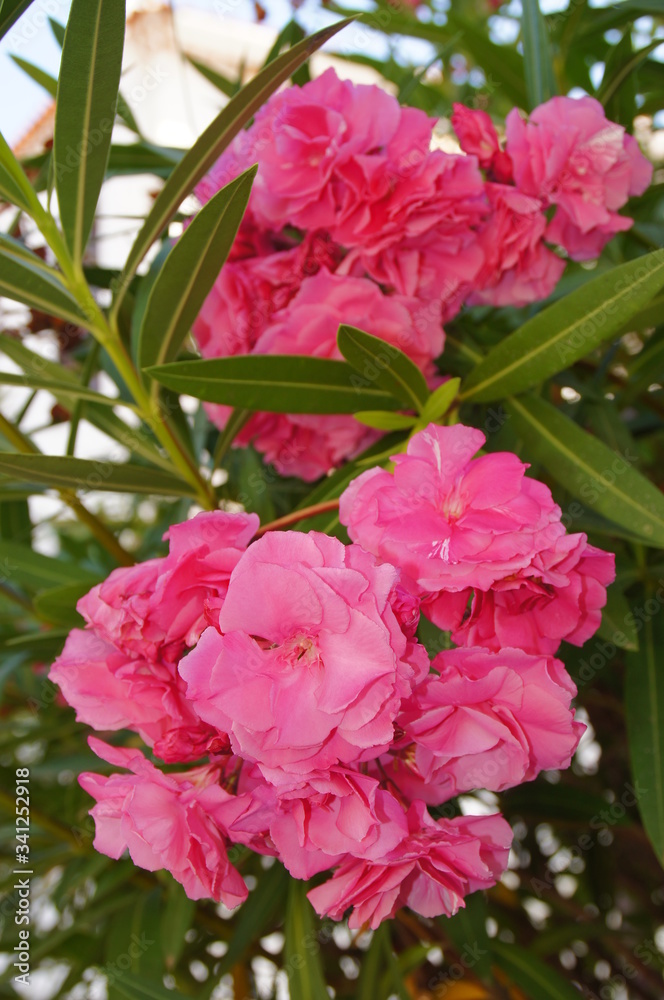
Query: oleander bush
pixel 339 672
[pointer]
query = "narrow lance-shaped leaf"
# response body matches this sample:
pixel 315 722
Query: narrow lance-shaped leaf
pixel 40 76
pixel 618 624
pixel 14 185
pixel 538 64
pixel 385 365
pixel 257 915
pixel 644 702
pixel 85 474
pixel 602 479
pixel 277 383
pixel 301 949
pixel 533 976
pixel 189 272
pixel 567 330
pixel 35 571
pixel 85 112
pixel 10 11
pixel 25 278
pixel 59 388
pixel 209 146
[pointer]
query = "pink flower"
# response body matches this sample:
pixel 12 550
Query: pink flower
pixel 489 720
pixel 347 160
pixel 420 238
pixel 165 821
pixel 447 520
pixel 121 672
pixel 111 690
pixel 336 813
pixel 431 870
pixel 157 608
pixel 311 667
pixel 251 289
pixel 571 156
pixel 518 268
pixel 478 137
pixel 559 596
pixel 324 150
pixel 309 446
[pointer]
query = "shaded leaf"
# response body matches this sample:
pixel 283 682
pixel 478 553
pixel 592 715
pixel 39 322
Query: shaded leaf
pixel 85 474
pixel 256 916
pixel 537 61
pixel 58 605
pixel 35 571
pixel 566 331
pixel 301 950
pixel 618 624
pixel 589 469
pixel 177 919
pixel 531 974
pixel 644 705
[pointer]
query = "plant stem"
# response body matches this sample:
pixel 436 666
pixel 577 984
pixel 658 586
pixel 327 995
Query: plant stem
pixel 110 340
pixel 298 515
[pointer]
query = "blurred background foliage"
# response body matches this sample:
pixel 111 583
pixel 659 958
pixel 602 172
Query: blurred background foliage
pixel 580 912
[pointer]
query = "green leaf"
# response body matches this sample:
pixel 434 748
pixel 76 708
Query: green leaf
pixel 25 278
pixel 35 571
pixel 139 988
pixel 189 272
pixel 644 706
pixel 538 64
pixel 467 930
pixel 85 474
pixel 58 31
pixel 540 800
pixel 209 146
pixel 382 363
pixel 440 401
pixel 277 383
pixel 533 976
pixel 618 624
pixel 372 966
pixel 68 388
pixel 257 915
pixel 392 982
pixel 566 331
pixel 589 469
pixel 58 605
pixel 10 11
pixel 222 83
pixel 40 76
pixel 301 949
pixel 177 919
pixel 14 185
pixel 85 112
pixel 383 421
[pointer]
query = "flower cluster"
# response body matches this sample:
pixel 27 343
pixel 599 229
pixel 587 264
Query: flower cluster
pixel 288 672
pixel 354 218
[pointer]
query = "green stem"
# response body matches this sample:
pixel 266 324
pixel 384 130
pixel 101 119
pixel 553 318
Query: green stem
pixel 109 339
